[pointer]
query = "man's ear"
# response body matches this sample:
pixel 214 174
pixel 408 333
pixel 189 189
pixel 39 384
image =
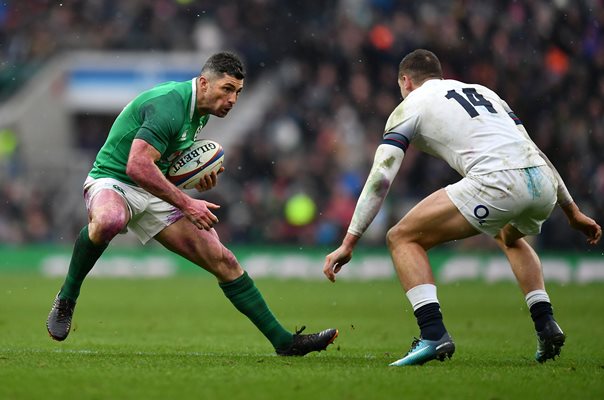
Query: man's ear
pixel 203 83
pixel 407 84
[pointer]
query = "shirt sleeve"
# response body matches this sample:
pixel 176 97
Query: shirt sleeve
pixel 386 163
pixel 401 127
pixel 510 113
pixel 162 119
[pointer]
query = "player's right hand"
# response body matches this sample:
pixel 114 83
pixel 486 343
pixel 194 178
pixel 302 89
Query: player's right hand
pixel 198 212
pixel 335 261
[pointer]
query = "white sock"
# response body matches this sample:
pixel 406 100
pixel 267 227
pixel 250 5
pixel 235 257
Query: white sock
pixel 536 296
pixel 421 295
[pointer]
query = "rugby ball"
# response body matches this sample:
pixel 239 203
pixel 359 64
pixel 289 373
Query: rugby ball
pixel 203 157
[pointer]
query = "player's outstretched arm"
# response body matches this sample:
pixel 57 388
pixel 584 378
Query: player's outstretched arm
pixel 576 218
pixel 386 164
pixel 582 223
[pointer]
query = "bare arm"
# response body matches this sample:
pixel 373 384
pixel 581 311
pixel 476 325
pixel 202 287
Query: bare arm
pixel 386 164
pixel 564 196
pixel 582 223
pixel 576 219
pixel 142 169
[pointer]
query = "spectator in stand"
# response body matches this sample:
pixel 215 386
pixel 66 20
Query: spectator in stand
pixel 335 62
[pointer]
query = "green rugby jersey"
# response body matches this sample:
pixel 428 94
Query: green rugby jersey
pixel 165 117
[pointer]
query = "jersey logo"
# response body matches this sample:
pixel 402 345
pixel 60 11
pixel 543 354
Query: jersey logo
pixel 481 212
pixel 198 131
pixel 173 156
pixel 183 137
pixel 119 189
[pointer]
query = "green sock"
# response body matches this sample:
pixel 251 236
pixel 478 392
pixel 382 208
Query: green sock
pixel 247 299
pixel 84 256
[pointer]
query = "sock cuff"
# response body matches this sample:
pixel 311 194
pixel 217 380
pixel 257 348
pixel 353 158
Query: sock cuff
pixel 421 295
pixel 238 285
pixel 536 296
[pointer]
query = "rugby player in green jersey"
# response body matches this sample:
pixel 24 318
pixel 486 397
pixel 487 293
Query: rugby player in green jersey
pixel 127 189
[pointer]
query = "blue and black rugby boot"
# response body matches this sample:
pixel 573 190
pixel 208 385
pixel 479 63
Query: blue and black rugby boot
pixel 549 342
pixel 304 344
pixel 423 350
pixel 58 323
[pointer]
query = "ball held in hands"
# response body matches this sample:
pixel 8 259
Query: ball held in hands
pixel 203 157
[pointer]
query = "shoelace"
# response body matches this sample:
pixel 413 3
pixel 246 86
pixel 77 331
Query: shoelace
pixel 63 311
pixel 299 331
pixel 414 344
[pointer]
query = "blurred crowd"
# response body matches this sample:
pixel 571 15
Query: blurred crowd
pixel 336 64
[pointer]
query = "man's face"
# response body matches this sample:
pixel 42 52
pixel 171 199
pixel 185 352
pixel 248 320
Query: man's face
pixel 218 94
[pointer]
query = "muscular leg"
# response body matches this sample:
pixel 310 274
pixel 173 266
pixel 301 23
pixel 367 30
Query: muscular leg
pixel 205 249
pixel 432 221
pixel 527 268
pixel 201 247
pixel 523 259
pixel 108 215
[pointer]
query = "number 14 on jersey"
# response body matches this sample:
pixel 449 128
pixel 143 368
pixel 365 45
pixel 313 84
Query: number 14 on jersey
pixel 470 101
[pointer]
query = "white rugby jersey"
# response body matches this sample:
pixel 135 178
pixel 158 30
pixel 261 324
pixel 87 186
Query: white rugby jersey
pixel 467 125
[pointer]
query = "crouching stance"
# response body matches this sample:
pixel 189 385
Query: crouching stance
pixel 508 189
pixel 127 189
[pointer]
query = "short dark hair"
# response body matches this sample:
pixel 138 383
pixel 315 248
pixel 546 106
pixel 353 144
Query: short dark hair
pixel 420 65
pixel 224 63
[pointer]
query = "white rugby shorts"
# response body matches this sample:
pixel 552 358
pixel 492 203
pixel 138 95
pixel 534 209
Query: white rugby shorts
pixel 523 198
pixel 149 214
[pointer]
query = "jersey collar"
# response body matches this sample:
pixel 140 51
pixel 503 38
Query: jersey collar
pixel 193 97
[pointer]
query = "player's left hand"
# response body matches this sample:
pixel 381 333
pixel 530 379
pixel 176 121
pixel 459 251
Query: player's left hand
pixel 207 182
pixel 587 226
pixel 336 260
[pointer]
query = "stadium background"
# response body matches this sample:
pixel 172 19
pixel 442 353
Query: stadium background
pixel 321 82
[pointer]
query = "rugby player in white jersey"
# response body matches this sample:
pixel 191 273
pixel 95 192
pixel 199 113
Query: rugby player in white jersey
pixel 508 189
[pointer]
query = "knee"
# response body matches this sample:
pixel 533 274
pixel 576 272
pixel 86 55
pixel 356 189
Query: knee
pixel 103 230
pixel 404 235
pixel 396 235
pixel 225 266
pixel 228 259
pixel 212 255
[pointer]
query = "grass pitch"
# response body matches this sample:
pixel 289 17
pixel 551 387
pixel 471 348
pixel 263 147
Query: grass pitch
pixel 180 338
